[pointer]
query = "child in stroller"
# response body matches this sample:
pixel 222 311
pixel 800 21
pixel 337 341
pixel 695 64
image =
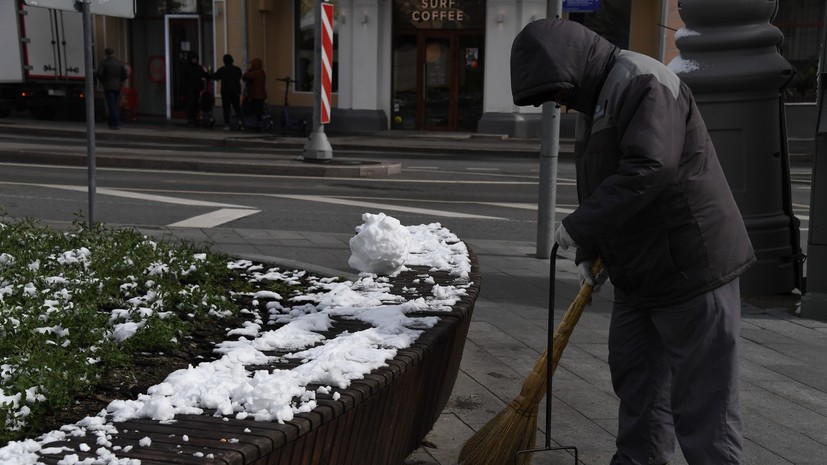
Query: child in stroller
pixel 206 104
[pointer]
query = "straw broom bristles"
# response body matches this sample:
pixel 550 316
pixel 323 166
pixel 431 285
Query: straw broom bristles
pixel 514 428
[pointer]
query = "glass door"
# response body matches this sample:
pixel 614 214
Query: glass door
pixel 437 104
pixel 470 87
pixel 437 81
pixel 405 95
pixel 182 36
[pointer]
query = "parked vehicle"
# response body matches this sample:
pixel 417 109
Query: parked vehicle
pixel 249 121
pixel 42 62
pixel 290 126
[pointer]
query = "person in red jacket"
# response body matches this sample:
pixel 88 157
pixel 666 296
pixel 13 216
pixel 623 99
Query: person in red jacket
pixel 256 80
pixel 656 207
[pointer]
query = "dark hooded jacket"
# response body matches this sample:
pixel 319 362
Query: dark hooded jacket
pixel 230 77
pixel 654 202
pixel 193 75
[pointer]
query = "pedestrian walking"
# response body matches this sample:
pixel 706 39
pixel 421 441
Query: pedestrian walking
pixel 256 94
pixel 656 207
pixel 230 77
pixel 112 73
pixel 193 78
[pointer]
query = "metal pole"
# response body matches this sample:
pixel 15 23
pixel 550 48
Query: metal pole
pixel 549 152
pixel 245 39
pixel 90 105
pixel 317 148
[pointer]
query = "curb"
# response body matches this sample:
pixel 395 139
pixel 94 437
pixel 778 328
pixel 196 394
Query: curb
pixel 296 167
pixel 465 145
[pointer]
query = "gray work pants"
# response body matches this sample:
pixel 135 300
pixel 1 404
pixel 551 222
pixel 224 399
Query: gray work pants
pixel 675 370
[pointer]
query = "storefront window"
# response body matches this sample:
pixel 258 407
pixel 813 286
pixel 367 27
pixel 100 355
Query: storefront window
pixel 304 54
pixel 438 55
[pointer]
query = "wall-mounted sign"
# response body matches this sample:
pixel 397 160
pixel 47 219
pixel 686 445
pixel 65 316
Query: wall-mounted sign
pixel 157 69
pixel 120 8
pixel 581 6
pixel 438 14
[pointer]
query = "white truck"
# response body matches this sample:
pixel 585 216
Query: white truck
pixel 41 61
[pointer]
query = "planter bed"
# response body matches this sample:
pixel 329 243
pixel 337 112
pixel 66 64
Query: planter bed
pixel 378 419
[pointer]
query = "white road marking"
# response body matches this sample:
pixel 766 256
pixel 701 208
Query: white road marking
pixel 314 178
pixel 384 206
pixel 140 196
pixel 227 212
pixel 483 169
pixel 231 212
pixel 216 218
pixel 525 206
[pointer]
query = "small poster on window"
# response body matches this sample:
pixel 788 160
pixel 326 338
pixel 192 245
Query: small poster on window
pixel 187 6
pixel 472 57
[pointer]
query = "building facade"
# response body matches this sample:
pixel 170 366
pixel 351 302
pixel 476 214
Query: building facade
pixel 430 65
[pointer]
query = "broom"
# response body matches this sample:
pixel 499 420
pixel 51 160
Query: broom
pixel 514 428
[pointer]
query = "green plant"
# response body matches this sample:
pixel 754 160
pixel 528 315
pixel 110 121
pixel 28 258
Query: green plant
pixel 78 304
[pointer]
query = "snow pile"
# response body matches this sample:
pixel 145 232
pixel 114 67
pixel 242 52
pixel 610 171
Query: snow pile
pixel 380 246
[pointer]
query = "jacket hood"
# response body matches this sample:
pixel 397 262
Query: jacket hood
pixel 256 63
pixel 553 54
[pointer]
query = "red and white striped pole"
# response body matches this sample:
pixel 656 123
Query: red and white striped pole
pixel 317 148
pixel 327 60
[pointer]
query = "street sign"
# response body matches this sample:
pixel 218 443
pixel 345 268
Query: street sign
pixel 581 6
pixel 120 8
pixel 327 60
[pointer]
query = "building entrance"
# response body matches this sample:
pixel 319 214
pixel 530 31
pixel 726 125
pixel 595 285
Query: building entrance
pixel 182 38
pixel 437 81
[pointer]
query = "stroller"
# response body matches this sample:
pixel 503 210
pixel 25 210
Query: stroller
pixel 249 121
pixel 206 104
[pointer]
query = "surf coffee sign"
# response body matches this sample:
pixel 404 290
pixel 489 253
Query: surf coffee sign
pixel 439 14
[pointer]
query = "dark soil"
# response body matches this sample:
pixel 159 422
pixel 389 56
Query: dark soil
pixel 146 370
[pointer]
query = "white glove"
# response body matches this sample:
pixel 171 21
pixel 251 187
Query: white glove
pixel 586 276
pixel 563 238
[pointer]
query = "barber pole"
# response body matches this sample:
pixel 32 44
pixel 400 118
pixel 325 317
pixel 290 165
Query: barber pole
pixel 327 60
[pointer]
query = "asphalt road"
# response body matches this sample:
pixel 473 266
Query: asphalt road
pixel 478 195
pixel 484 202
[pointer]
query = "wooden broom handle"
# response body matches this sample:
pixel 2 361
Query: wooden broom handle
pixel 561 339
pixel 572 316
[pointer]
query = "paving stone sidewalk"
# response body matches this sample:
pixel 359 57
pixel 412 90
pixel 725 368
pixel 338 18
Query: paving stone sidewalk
pixel 784 379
